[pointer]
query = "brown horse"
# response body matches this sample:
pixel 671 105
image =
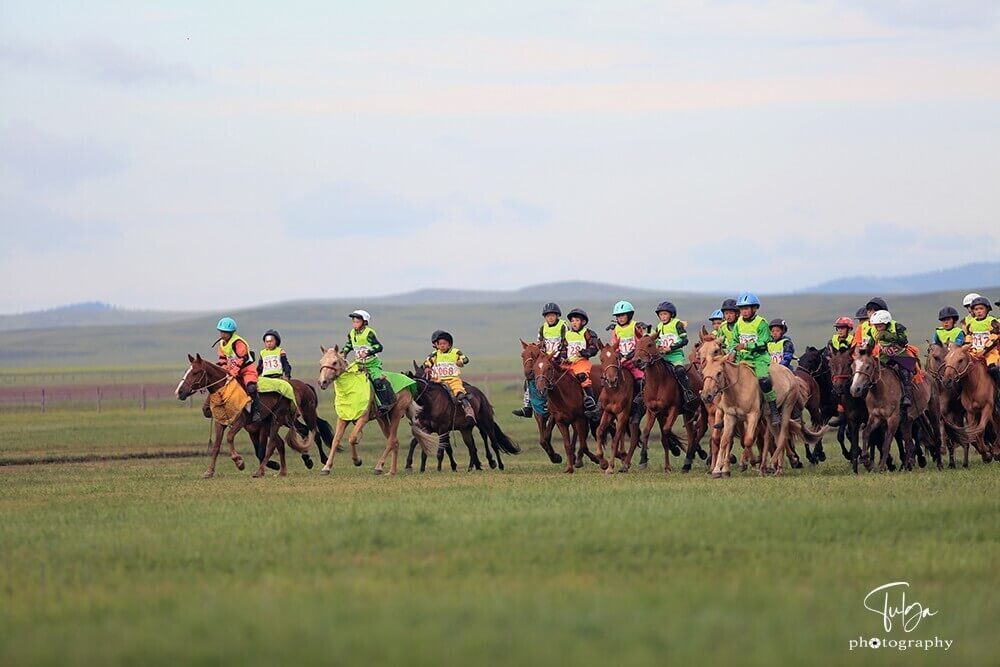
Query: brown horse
pixel 332 365
pixel 947 406
pixel 965 374
pixel 665 402
pixel 884 393
pixel 277 411
pixel 565 403
pixel 616 402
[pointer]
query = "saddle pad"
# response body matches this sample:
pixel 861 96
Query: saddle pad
pixel 227 403
pixel 353 394
pixel 277 386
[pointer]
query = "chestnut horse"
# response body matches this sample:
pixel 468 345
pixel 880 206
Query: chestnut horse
pixel 565 402
pixel 616 402
pixel 965 373
pixel 276 411
pixel 332 365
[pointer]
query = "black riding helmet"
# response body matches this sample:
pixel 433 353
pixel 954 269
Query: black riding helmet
pixel 876 303
pixel 981 301
pixel 729 304
pixel 439 334
pixel 582 314
pixel 947 312
pixel 272 332
pixel 778 322
pixel 861 314
pixel 551 308
pixel 666 306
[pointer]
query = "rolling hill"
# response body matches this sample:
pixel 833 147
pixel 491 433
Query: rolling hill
pixel 985 273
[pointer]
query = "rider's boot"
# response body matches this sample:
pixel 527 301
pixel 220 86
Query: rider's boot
pixel 255 415
pixel 384 394
pixel 463 399
pixel 525 410
pixel 691 400
pixel 906 378
pixel 775 413
pixel 590 406
pixel 994 372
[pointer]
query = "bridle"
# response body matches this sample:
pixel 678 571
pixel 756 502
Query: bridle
pixel 617 368
pixel 722 387
pixel 544 391
pixel 203 375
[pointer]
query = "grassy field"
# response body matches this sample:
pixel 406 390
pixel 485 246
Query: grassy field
pixel 143 562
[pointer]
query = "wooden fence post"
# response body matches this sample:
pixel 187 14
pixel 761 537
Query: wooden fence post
pixel 144 397
pixel 43 399
pixel 98 399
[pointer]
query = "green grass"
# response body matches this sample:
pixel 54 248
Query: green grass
pixel 143 562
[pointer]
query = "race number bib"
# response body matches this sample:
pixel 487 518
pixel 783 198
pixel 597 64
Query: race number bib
pixel 626 345
pixel 271 363
pixel 444 370
pixel 891 350
pixel 552 345
pixel 574 348
pixel 749 339
pixel 667 339
pixel 776 357
pixel 980 339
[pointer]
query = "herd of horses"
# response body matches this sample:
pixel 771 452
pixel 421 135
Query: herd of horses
pixel 953 406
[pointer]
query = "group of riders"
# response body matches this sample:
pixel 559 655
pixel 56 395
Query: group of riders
pixel 746 335
pixel 749 338
pixel 443 365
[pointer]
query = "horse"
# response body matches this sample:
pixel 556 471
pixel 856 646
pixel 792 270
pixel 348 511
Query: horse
pixel 664 403
pixel 966 373
pixel 444 447
pixel 616 401
pixel 814 404
pixel 530 354
pixel 947 406
pixel 276 411
pixel 565 404
pixel 816 363
pixel 333 365
pixel 884 391
pixel 440 415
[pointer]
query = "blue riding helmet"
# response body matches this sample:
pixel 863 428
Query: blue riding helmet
pixel 623 308
pixel 747 299
pixel 227 324
pixel 717 315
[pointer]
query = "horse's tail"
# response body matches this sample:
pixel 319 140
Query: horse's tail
pixel 504 442
pixel 674 443
pixel 293 441
pixel 964 435
pixel 810 436
pixel 326 433
pixel 428 441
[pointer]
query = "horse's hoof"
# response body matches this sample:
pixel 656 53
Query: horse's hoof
pixel 408 468
pixel 727 474
pixel 821 455
pixel 578 464
pixel 743 467
pixel 282 473
pixel 568 471
pixel 555 459
pixel 308 461
pixel 778 472
pixel 493 464
pixel 500 465
pixel 208 474
pixel 325 471
pixel 922 461
pixel 273 465
pixel 239 464
pixel 685 469
pixel 378 471
pixel 716 475
pixel 258 474
pixel 610 470
pixel 643 465
pixel 357 463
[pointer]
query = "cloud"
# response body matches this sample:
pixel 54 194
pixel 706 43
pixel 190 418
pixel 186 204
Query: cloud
pixel 43 161
pixel 100 61
pixel 932 14
pixel 28 227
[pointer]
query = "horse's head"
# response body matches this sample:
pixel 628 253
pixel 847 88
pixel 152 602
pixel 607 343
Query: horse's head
pixel 709 348
pixel 543 370
pixel 714 377
pixel 331 365
pixel 646 351
pixel 841 369
pixel 812 360
pixel 530 353
pixel 866 371
pixel 935 357
pixel 611 365
pixel 199 375
pixel 955 365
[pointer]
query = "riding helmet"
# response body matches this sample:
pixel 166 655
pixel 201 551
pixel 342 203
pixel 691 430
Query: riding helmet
pixel 778 322
pixel 729 304
pixel 363 314
pixel 717 315
pixel 876 303
pixel 861 314
pixel 667 306
pixel 551 308
pixel 747 299
pixel 981 301
pixel 226 324
pixel 881 317
pixel 967 300
pixel 623 308
pixel 844 322
pixel 579 312
pixel 439 334
pixel 272 332
pixel 947 312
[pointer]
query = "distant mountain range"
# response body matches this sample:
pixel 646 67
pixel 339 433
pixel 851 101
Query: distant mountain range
pixel 91 313
pixel 969 277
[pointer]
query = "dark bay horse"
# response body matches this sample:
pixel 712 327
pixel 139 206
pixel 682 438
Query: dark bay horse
pixel 816 363
pixel 565 400
pixel 814 404
pixel 440 414
pixel 277 411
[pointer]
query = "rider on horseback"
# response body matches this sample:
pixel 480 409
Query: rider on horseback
pixel 967 304
pixel 671 337
pixel 841 339
pixel 236 356
pixel 445 364
pixel 749 343
pixel 363 340
pixel 552 335
pixel 892 350
pixel 948 332
pixel 863 334
pixel 729 313
pixel 272 362
pixel 780 347
pixel 715 319
pixel 625 333
pixel 581 345
pixel 984 332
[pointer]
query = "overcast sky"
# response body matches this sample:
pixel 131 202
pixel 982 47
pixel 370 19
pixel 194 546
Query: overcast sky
pixel 200 155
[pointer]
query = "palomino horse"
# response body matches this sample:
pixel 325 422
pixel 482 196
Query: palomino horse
pixel 966 373
pixel 616 400
pixel 439 414
pixel 332 365
pixel 884 392
pixel 664 403
pixel 565 401
pixel 276 410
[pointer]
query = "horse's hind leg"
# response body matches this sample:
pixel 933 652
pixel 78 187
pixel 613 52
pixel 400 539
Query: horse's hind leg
pixel 337 437
pixel 409 455
pixel 470 443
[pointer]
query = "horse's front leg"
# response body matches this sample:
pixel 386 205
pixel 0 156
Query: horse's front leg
pixel 269 451
pixel 338 435
pixel 280 444
pixel 218 430
pixel 602 440
pixel 749 437
pixel 567 446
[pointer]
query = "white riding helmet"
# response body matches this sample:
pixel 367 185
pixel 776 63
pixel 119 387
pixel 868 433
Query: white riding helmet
pixel 363 314
pixel 967 301
pixel 880 317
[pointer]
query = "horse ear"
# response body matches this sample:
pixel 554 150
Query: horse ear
pixel 197 355
pixel 190 359
pixel 524 345
pixel 322 349
pixel 336 348
pixel 703 334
